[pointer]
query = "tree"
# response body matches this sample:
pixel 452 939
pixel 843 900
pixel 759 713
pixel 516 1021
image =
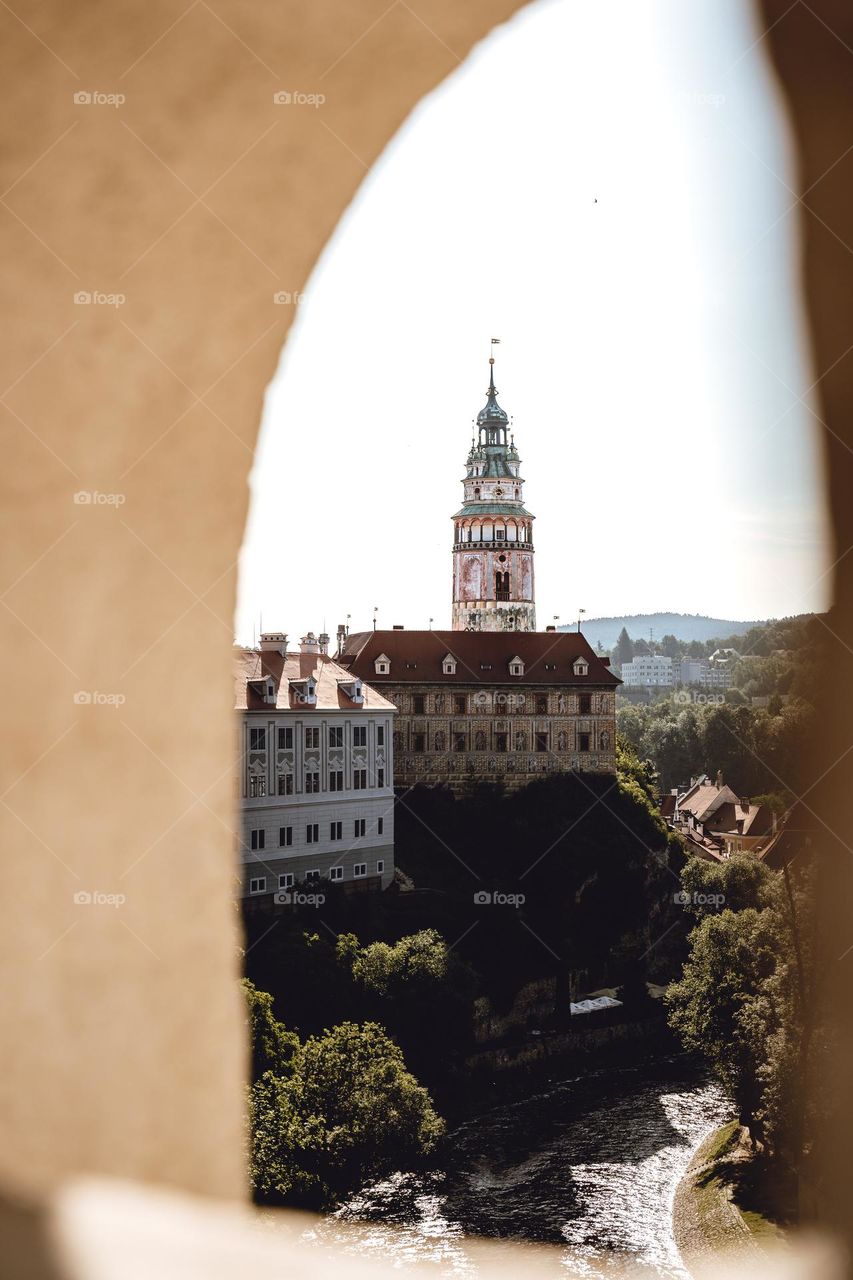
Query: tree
pixel 624 650
pixel 731 954
pixel 747 998
pixel 349 1112
pixel 273 1047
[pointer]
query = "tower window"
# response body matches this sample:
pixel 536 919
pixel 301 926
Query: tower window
pixel 502 586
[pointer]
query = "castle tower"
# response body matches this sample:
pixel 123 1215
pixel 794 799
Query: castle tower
pixel 493 533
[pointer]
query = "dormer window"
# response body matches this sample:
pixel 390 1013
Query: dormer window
pixel 580 667
pixel 382 665
pixel 353 689
pixel 516 666
pixel 448 664
pixel 264 688
pixel 304 691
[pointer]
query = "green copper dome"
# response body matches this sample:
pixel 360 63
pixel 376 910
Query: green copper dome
pixel 492 414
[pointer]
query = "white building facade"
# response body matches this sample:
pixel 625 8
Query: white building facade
pixel 648 670
pixel 317 772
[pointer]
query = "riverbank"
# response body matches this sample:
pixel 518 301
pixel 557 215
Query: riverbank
pixel 508 1073
pixel 728 1203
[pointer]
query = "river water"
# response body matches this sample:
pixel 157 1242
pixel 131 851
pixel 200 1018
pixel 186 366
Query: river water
pixel 590 1164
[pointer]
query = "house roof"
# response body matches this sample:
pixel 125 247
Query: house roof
pixel 329 677
pixel 483 657
pixel 723 812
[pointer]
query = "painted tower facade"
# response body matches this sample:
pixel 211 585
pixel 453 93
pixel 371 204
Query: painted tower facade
pixel 493 532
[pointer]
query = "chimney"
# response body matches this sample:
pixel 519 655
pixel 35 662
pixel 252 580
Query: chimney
pixel 342 635
pixel 324 643
pixel 274 642
pixel 719 781
pixel 309 644
pixel 744 803
pixel 398 626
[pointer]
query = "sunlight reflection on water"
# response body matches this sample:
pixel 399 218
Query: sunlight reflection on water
pixel 591 1164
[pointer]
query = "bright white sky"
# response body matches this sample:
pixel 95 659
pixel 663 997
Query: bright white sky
pixel 596 185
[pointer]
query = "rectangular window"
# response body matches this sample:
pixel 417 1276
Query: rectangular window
pixel 257 739
pixel 257 787
pixel 336 737
pixel 541 704
pixel 359 735
pixel 459 704
pixel 359 779
pixel 336 780
pixel 336 831
pixel 285 739
pixel 541 742
pixel 584 704
pixel 380 735
pixel 312 737
pixel 583 742
pixel 380 777
pixel 258 885
pixel 380 867
pixel 312 833
pixel 285 881
pixel 360 869
pixel 336 873
pixel 312 783
pixel 419 702
pixel 500 741
pixel 359 826
pixel 459 742
pixel 285 837
pixel 380 826
pixel 312 875
pixel 419 742
pixel 285 784
pixel 257 839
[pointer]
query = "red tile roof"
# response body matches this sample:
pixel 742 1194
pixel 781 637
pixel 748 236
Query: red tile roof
pixel 330 679
pixel 482 657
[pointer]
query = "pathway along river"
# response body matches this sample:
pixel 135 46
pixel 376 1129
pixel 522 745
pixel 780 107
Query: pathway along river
pixel 590 1164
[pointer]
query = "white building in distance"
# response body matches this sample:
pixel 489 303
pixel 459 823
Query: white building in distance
pixel 648 670
pixel 317 771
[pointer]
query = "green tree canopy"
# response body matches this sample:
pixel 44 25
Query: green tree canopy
pixel 348 1112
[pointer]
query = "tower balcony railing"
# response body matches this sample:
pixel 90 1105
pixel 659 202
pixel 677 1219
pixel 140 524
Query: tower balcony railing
pixel 491 544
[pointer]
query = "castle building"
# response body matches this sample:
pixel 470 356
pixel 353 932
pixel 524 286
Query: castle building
pixel 317 772
pixel 489 705
pixel 493 532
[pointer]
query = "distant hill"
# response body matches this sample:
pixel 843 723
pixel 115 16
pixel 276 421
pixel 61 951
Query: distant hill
pixel 684 626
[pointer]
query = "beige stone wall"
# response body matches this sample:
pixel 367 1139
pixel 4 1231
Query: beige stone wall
pixel 197 199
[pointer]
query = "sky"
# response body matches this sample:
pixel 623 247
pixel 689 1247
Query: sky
pixel 606 188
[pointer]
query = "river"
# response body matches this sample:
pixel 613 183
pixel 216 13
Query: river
pixel 590 1164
